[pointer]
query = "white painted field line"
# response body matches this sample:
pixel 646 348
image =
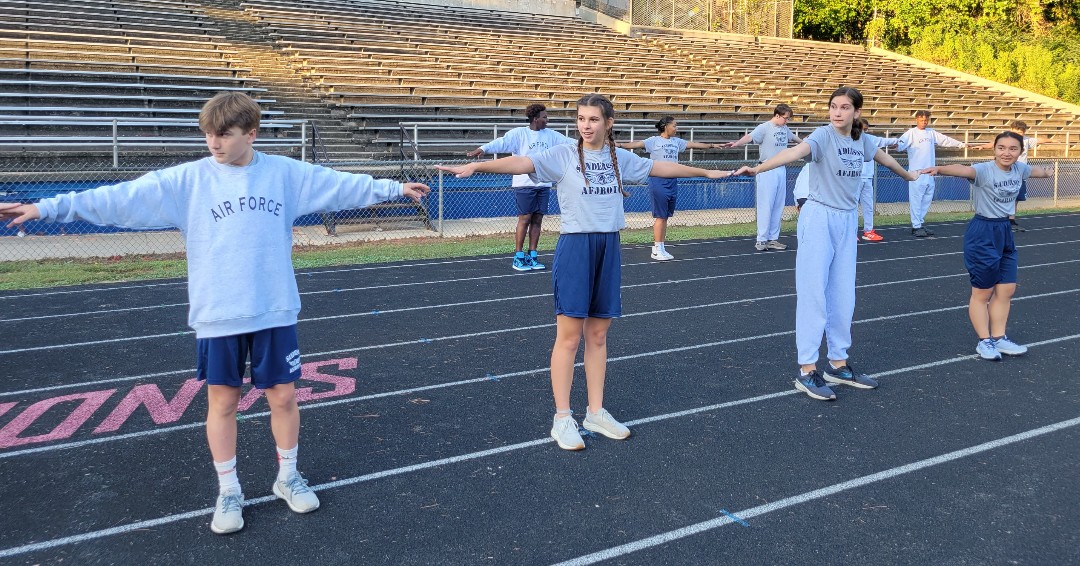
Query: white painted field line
pixel 742 516
pixel 121 529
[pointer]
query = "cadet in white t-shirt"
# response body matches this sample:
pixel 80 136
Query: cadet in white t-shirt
pixel 663 192
pixel 989 250
pixel 772 137
pixel 586 271
pixel 531 197
pixel 920 142
pixel 825 259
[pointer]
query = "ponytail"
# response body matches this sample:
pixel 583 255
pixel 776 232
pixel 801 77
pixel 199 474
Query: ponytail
pixel 615 162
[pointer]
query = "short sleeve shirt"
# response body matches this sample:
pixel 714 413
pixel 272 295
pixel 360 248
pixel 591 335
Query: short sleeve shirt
pixel 661 149
pixel 836 167
pixel 994 191
pixel 598 205
pixel 771 139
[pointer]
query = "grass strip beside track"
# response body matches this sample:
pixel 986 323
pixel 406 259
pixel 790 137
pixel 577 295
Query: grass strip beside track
pixel 53 273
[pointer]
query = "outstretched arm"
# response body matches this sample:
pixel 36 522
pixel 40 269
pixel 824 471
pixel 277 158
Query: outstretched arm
pixel 1041 172
pixel 668 170
pixel 965 171
pixel 888 161
pixel 739 142
pixel 700 145
pixel 789 155
pixel 513 165
pixel 631 145
pixel 18 213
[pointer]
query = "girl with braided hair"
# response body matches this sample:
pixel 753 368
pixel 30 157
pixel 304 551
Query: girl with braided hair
pixel 825 260
pixel 586 270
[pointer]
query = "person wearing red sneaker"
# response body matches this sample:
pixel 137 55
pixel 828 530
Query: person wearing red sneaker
pixel 866 186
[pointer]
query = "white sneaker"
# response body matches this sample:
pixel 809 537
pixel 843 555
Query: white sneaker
pixel 660 255
pixel 605 424
pixel 295 491
pixel 1009 348
pixel 228 515
pixel 565 433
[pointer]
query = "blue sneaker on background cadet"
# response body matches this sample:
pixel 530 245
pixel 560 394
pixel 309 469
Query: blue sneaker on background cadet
pixel 522 262
pixel 848 376
pixel 987 350
pixel 532 261
pixel 814 386
pixel 1009 348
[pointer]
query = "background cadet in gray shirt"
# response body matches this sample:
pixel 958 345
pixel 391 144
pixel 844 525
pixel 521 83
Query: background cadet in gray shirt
pixel 772 137
pixel 825 260
pixel 989 250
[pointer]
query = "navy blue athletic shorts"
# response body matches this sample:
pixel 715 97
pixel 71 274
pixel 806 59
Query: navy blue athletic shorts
pixel 663 192
pixel 274 353
pixel 587 275
pixel 532 199
pixel 1023 191
pixel 989 252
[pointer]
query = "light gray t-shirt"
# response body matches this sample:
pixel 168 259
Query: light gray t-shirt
pixel 836 164
pixel 1029 143
pixel 597 207
pixel 995 191
pixel 526 141
pixel 661 149
pixel 771 139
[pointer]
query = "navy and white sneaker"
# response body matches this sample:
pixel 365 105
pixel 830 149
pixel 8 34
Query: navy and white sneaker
pixel 987 350
pixel 848 376
pixel 813 385
pixel 1007 347
pixel 522 262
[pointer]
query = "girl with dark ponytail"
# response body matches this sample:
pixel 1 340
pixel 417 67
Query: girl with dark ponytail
pixel 825 260
pixel 663 192
pixel 587 269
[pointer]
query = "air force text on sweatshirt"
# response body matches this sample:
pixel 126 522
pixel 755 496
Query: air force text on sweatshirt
pixel 597 207
pixel 836 165
pixel 237 225
pixel 525 141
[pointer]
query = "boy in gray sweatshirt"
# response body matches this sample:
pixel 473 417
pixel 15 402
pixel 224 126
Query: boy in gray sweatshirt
pixel 235 209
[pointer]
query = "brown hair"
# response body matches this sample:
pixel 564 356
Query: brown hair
pixel 1019 125
pixel 608 112
pixel 855 96
pixel 227 110
pixel 922 113
pixel 533 110
pixel 782 110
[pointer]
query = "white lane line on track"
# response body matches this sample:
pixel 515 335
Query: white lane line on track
pixel 727 518
pixel 519 329
pixel 462 260
pixel 496 300
pixel 121 529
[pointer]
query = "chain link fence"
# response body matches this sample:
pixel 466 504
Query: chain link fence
pixel 772 18
pixel 478 205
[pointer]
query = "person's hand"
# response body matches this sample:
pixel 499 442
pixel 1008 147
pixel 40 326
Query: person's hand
pixel 475 153
pixel 459 171
pixel 928 171
pixel 415 191
pixel 717 174
pixel 726 145
pixel 745 170
pixel 18 213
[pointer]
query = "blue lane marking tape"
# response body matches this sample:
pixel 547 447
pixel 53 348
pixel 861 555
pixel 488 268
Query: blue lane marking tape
pixel 734 518
pixel 492 377
pixel 375 311
pixel 424 340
